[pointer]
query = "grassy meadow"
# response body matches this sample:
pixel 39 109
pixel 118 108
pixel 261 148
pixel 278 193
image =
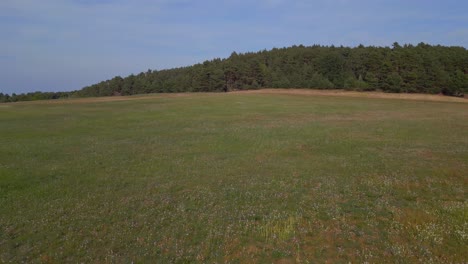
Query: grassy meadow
pixel 234 178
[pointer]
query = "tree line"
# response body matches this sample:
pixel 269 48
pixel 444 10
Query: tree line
pixel 409 68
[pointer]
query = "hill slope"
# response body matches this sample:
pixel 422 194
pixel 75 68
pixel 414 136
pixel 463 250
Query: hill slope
pixel 411 69
pixel 422 69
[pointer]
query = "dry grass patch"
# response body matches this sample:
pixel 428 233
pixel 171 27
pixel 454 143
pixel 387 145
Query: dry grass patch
pixel 343 93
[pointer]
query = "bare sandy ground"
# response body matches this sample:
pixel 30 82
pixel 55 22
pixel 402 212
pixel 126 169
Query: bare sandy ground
pixel 108 98
pixel 301 92
pixel 342 93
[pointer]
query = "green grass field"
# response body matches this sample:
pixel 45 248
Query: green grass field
pixel 235 178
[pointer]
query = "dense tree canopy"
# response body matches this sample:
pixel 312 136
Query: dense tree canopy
pixel 409 69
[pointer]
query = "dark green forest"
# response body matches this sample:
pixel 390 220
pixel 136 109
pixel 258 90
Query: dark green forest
pixel 409 68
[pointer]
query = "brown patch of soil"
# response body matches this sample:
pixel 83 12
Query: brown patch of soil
pixel 303 92
pixel 113 98
pixel 343 93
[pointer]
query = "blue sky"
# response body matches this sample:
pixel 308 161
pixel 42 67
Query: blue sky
pixel 61 45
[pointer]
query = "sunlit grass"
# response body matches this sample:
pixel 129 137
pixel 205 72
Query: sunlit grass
pixel 234 178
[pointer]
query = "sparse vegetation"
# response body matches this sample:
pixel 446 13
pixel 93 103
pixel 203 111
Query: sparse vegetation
pixel 236 177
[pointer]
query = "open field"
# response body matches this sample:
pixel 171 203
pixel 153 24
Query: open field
pixel 239 177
